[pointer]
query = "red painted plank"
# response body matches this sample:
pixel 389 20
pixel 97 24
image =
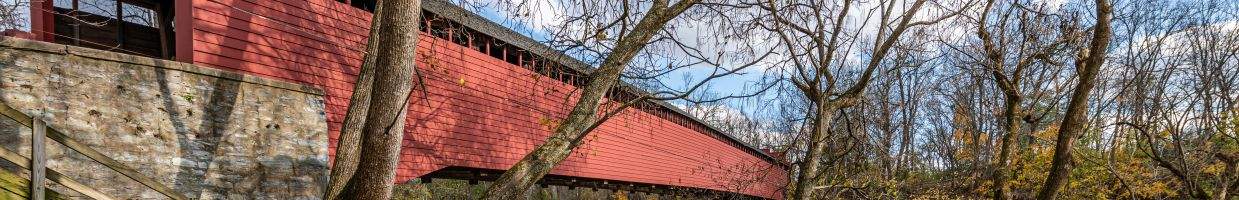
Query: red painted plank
pixel 294 18
pixel 219 22
pixel 488 122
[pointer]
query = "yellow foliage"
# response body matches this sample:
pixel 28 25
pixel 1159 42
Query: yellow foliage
pixel 1091 178
pixel 548 123
pixel 601 36
pixel 1215 168
pixel 620 195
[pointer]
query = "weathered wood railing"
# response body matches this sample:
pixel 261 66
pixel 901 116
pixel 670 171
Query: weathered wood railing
pixel 39 171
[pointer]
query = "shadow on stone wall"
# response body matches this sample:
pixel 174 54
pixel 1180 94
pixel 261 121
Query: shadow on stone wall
pixel 221 135
pixel 197 153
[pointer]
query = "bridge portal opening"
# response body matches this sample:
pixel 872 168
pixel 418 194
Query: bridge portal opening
pixel 140 27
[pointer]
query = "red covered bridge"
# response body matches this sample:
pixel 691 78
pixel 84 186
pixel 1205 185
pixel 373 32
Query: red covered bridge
pixel 491 94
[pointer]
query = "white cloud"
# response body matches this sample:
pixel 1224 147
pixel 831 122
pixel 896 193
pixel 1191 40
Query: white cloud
pixel 738 124
pixel 1179 42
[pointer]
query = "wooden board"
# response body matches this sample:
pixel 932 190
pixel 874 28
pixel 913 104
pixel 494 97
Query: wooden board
pixel 92 154
pixel 38 161
pixel 53 175
pixel 17 186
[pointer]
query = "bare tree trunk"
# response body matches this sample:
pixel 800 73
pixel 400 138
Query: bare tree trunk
pixel 817 144
pixel 1088 65
pixel 1229 176
pixel 1012 126
pixel 349 142
pixel 810 86
pixel 384 124
pixel 526 172
pixel 1009 85
pixel 1011 104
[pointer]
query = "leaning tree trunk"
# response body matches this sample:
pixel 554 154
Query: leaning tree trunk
pixel 1074 121
pixel 817 144
pixel 348 145
pixel 526 172
pixel 384 124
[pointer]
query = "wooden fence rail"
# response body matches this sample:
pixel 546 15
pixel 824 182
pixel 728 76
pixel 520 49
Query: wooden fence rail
pixel 37 164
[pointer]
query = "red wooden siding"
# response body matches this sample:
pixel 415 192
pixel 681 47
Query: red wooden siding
pixel 480 112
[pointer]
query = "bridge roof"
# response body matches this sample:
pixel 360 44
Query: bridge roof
pixel 482 25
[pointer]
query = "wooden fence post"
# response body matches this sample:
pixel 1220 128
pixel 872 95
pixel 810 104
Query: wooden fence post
pixel 38 161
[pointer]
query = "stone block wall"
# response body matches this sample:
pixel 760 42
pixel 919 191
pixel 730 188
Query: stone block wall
pixel 206 133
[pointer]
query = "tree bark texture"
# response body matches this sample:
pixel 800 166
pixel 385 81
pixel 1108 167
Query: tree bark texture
pixel 348 144
pixel 383 128
pixel 1012 127
pixel 817 144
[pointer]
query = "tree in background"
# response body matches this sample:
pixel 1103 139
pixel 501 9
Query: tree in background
pixel 1088 64
pixel 819 47
pixel 1025 37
